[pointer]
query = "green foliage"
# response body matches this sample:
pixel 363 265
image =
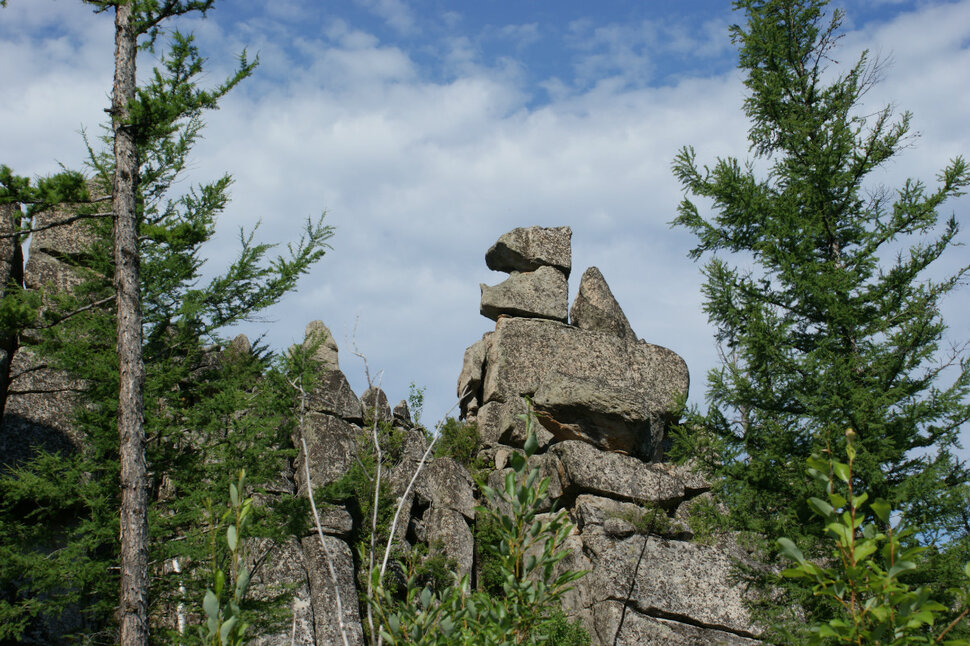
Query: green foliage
pixel 818 289
pixel 458 441
pixel 225 623
pixel 416 402
pixel 862 578
pixel 527 550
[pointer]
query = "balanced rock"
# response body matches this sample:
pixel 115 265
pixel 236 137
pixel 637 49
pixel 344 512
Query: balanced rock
pixel 595 308
pixel 542 293
pixel 595 387
pixel 527 249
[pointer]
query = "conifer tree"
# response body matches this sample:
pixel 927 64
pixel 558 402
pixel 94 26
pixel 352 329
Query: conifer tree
pixel 207 413
pixel 823 323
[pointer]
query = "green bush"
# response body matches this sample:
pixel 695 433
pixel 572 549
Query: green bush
pixel 526 549
pixel 862 578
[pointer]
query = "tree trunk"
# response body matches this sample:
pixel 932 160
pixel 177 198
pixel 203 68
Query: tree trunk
pixel 133 609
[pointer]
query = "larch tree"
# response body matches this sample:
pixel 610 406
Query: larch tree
pixel 825 291
pixel 164 325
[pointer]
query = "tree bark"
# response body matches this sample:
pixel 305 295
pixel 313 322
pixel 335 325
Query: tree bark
pixel 133 610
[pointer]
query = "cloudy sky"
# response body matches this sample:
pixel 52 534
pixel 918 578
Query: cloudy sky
pixel 426 129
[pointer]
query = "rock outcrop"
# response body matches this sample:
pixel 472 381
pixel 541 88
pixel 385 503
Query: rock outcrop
pixel 604 400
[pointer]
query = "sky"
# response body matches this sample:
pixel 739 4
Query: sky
pixel 425 129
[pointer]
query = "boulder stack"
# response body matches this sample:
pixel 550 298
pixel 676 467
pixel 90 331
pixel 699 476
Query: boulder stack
pixel 605 401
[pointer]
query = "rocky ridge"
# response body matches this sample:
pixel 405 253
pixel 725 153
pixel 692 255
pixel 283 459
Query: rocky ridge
pixel 603 399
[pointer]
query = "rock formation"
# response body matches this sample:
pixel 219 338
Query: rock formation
pixel 604 401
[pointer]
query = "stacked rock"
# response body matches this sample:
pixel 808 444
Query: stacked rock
pixel 604 402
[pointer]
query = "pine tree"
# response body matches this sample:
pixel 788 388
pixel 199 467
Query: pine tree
pixel 822 322
pixel 207 413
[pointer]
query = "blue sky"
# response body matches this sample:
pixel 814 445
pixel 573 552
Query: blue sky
pixel 427 129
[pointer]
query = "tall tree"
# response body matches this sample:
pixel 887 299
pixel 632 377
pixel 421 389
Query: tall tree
pixel 817 284
pixel 152 131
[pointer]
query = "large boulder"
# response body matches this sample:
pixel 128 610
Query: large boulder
pixel 673 579
pixel 472 373
pixel 619 624
pixel 592 386
pixel 527 249
pixel 447 530
pixel 328 623
pixel 445 484
pixel 542 293
pixel 333 395
pixel 501 423
pixel 331 444
pixel 282 569
pixel 375 405
pixel 595 308
pixel 584 469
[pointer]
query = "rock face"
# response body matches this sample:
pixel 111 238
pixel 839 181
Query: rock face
pixel 603 402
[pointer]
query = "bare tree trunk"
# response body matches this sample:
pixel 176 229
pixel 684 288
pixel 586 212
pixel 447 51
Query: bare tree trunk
pixel 133 609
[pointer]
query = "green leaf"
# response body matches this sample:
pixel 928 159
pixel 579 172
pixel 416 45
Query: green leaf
pixel 231 537
pixel 881 509
pixel 211 604
pixel 821 507
pixel 233 495
pixel 226 629
pixel 790 550
pixel 242 582
pixel 842 471
pixel 517 462
pixel 531 444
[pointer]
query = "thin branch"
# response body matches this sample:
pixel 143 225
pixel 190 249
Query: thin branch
pixel 59 223
pixel 87 307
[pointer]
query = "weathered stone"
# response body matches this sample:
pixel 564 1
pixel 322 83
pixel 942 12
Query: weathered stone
pixel 74 238
pixel 39 411
pixel 470 378
pixel 335 520
pixel 595 308
pixel 672 579
pixel 323 592
pixel 445 484
pixel 43 271
pixel 542 293
pixel 499 423
pixel 527 249
pixel 240 345
pixel 332 395
pixel 447 529
pixel 586 470
pixel 281 569
pixel 326 352
pixel 587 385
pixel 614 516
pixel 374 403
pixel 402 414
pixel 332 444
pixel 618 624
